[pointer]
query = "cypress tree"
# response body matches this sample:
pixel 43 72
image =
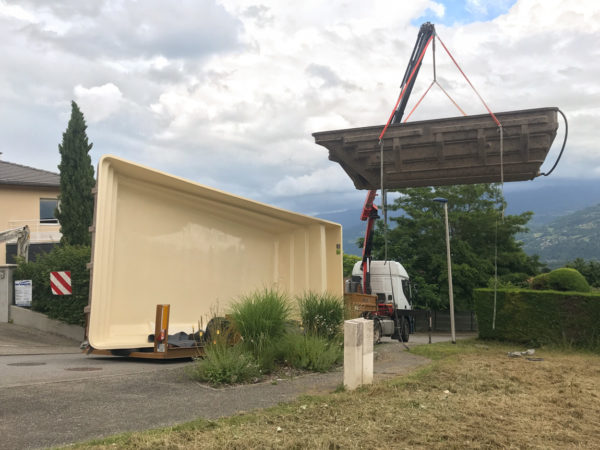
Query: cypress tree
pixel 76 209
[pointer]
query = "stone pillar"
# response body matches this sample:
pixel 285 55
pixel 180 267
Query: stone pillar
pixel 6 290
pixel 358 352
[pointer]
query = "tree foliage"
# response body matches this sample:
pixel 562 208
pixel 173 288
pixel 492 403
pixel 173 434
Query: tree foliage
pixel 76 209
pixel 589 269
pixel 349 262
pixel 68 308
pixel 416 238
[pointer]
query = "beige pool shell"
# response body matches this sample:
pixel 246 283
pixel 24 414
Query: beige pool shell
pixel 160 239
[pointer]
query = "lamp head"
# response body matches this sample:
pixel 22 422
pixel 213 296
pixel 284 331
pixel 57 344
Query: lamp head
pixel 440 200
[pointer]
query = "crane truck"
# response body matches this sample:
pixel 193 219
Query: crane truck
pixel 388 281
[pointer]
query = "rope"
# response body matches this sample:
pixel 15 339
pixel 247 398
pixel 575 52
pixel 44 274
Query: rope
pixel 419 102
pixel 495 275
pixel 469 81
pixel 451 99
pixel 383 201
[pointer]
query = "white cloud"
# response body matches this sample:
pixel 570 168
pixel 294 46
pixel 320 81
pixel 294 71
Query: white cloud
pixel 229 93
pixel 98 102
pixel 330 179
pixel 438 9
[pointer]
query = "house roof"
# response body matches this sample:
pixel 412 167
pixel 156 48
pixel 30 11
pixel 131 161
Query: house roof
pixel 16 174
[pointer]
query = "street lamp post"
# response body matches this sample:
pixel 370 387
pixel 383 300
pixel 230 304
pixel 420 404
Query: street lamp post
pixel 449 262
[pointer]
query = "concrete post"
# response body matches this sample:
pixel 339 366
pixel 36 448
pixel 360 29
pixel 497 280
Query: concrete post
pixel 6 290
pixel 358 353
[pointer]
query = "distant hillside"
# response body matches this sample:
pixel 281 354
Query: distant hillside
pixel 352 228
pixel 575 235
pixel 549 198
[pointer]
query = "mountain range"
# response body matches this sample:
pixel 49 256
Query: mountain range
pixel 565 224
pixel 575 235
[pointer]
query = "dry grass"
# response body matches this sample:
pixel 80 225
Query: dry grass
pixel 474 397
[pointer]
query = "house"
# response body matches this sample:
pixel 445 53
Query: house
pixel 28 196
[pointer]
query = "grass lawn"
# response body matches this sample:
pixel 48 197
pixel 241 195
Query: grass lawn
pixel 472 395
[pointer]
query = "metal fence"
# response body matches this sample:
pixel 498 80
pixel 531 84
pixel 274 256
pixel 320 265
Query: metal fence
pixel 440 320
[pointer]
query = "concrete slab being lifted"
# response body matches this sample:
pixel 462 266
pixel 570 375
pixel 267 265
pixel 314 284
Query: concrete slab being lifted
pixel 457 150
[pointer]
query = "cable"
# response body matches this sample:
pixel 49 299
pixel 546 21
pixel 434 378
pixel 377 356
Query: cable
pixel 563 146
pixel 383 202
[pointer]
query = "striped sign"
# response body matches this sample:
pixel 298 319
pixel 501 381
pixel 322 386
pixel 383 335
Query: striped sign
pixel 60 282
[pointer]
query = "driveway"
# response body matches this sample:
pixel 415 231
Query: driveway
pixel 50 394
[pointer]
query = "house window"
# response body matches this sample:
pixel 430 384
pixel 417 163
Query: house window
pixel 47 208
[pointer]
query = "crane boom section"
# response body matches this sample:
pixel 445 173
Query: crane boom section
pixel 369 212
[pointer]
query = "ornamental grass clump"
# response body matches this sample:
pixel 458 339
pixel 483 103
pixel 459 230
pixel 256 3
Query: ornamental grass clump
pixel 310 352
pixel 225 364
pixel 261 319
pixel 322 314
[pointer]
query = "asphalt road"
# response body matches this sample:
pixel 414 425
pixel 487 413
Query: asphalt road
pixel 51 394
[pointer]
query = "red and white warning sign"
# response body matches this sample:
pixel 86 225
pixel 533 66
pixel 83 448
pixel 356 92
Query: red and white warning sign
pixel 60 282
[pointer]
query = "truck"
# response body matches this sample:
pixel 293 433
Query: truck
pixel 384 286
pixel 393 292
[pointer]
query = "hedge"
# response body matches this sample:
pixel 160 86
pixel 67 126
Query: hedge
pixel 540 317
pixel 563 279
pixel 68 308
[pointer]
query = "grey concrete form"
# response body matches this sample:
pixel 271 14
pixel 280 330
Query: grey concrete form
pixel 449 151
pixel 6 290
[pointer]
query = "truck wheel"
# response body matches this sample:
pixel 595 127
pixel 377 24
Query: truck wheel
pixel 405 330
pixel 376 332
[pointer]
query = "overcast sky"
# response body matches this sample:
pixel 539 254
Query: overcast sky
pixel 227 93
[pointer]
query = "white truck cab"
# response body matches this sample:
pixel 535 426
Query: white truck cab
pixel 389 281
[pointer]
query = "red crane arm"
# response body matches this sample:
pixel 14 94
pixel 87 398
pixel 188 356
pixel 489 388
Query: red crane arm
pixel 369 213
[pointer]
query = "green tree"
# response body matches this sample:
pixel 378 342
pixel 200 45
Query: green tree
pixel 75 212
pixel 477 231
pixel 589 269
pixel 349 261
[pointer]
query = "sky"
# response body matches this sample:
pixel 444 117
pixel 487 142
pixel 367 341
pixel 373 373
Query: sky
pixel 227 93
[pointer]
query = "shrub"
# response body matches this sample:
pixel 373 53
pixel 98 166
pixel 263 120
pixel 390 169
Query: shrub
pixel 224 364
pixel 261 319
pixel 540 317
pixel 564 279
pixel 322 314
pixel 310 352
pixel 68 308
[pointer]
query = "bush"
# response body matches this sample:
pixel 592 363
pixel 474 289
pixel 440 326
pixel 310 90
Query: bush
pixel 224 364
pixel 322 314
pixel 310 352
pixel 261 319
pixel 564 279
pixel 68 308
pixel 540 317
